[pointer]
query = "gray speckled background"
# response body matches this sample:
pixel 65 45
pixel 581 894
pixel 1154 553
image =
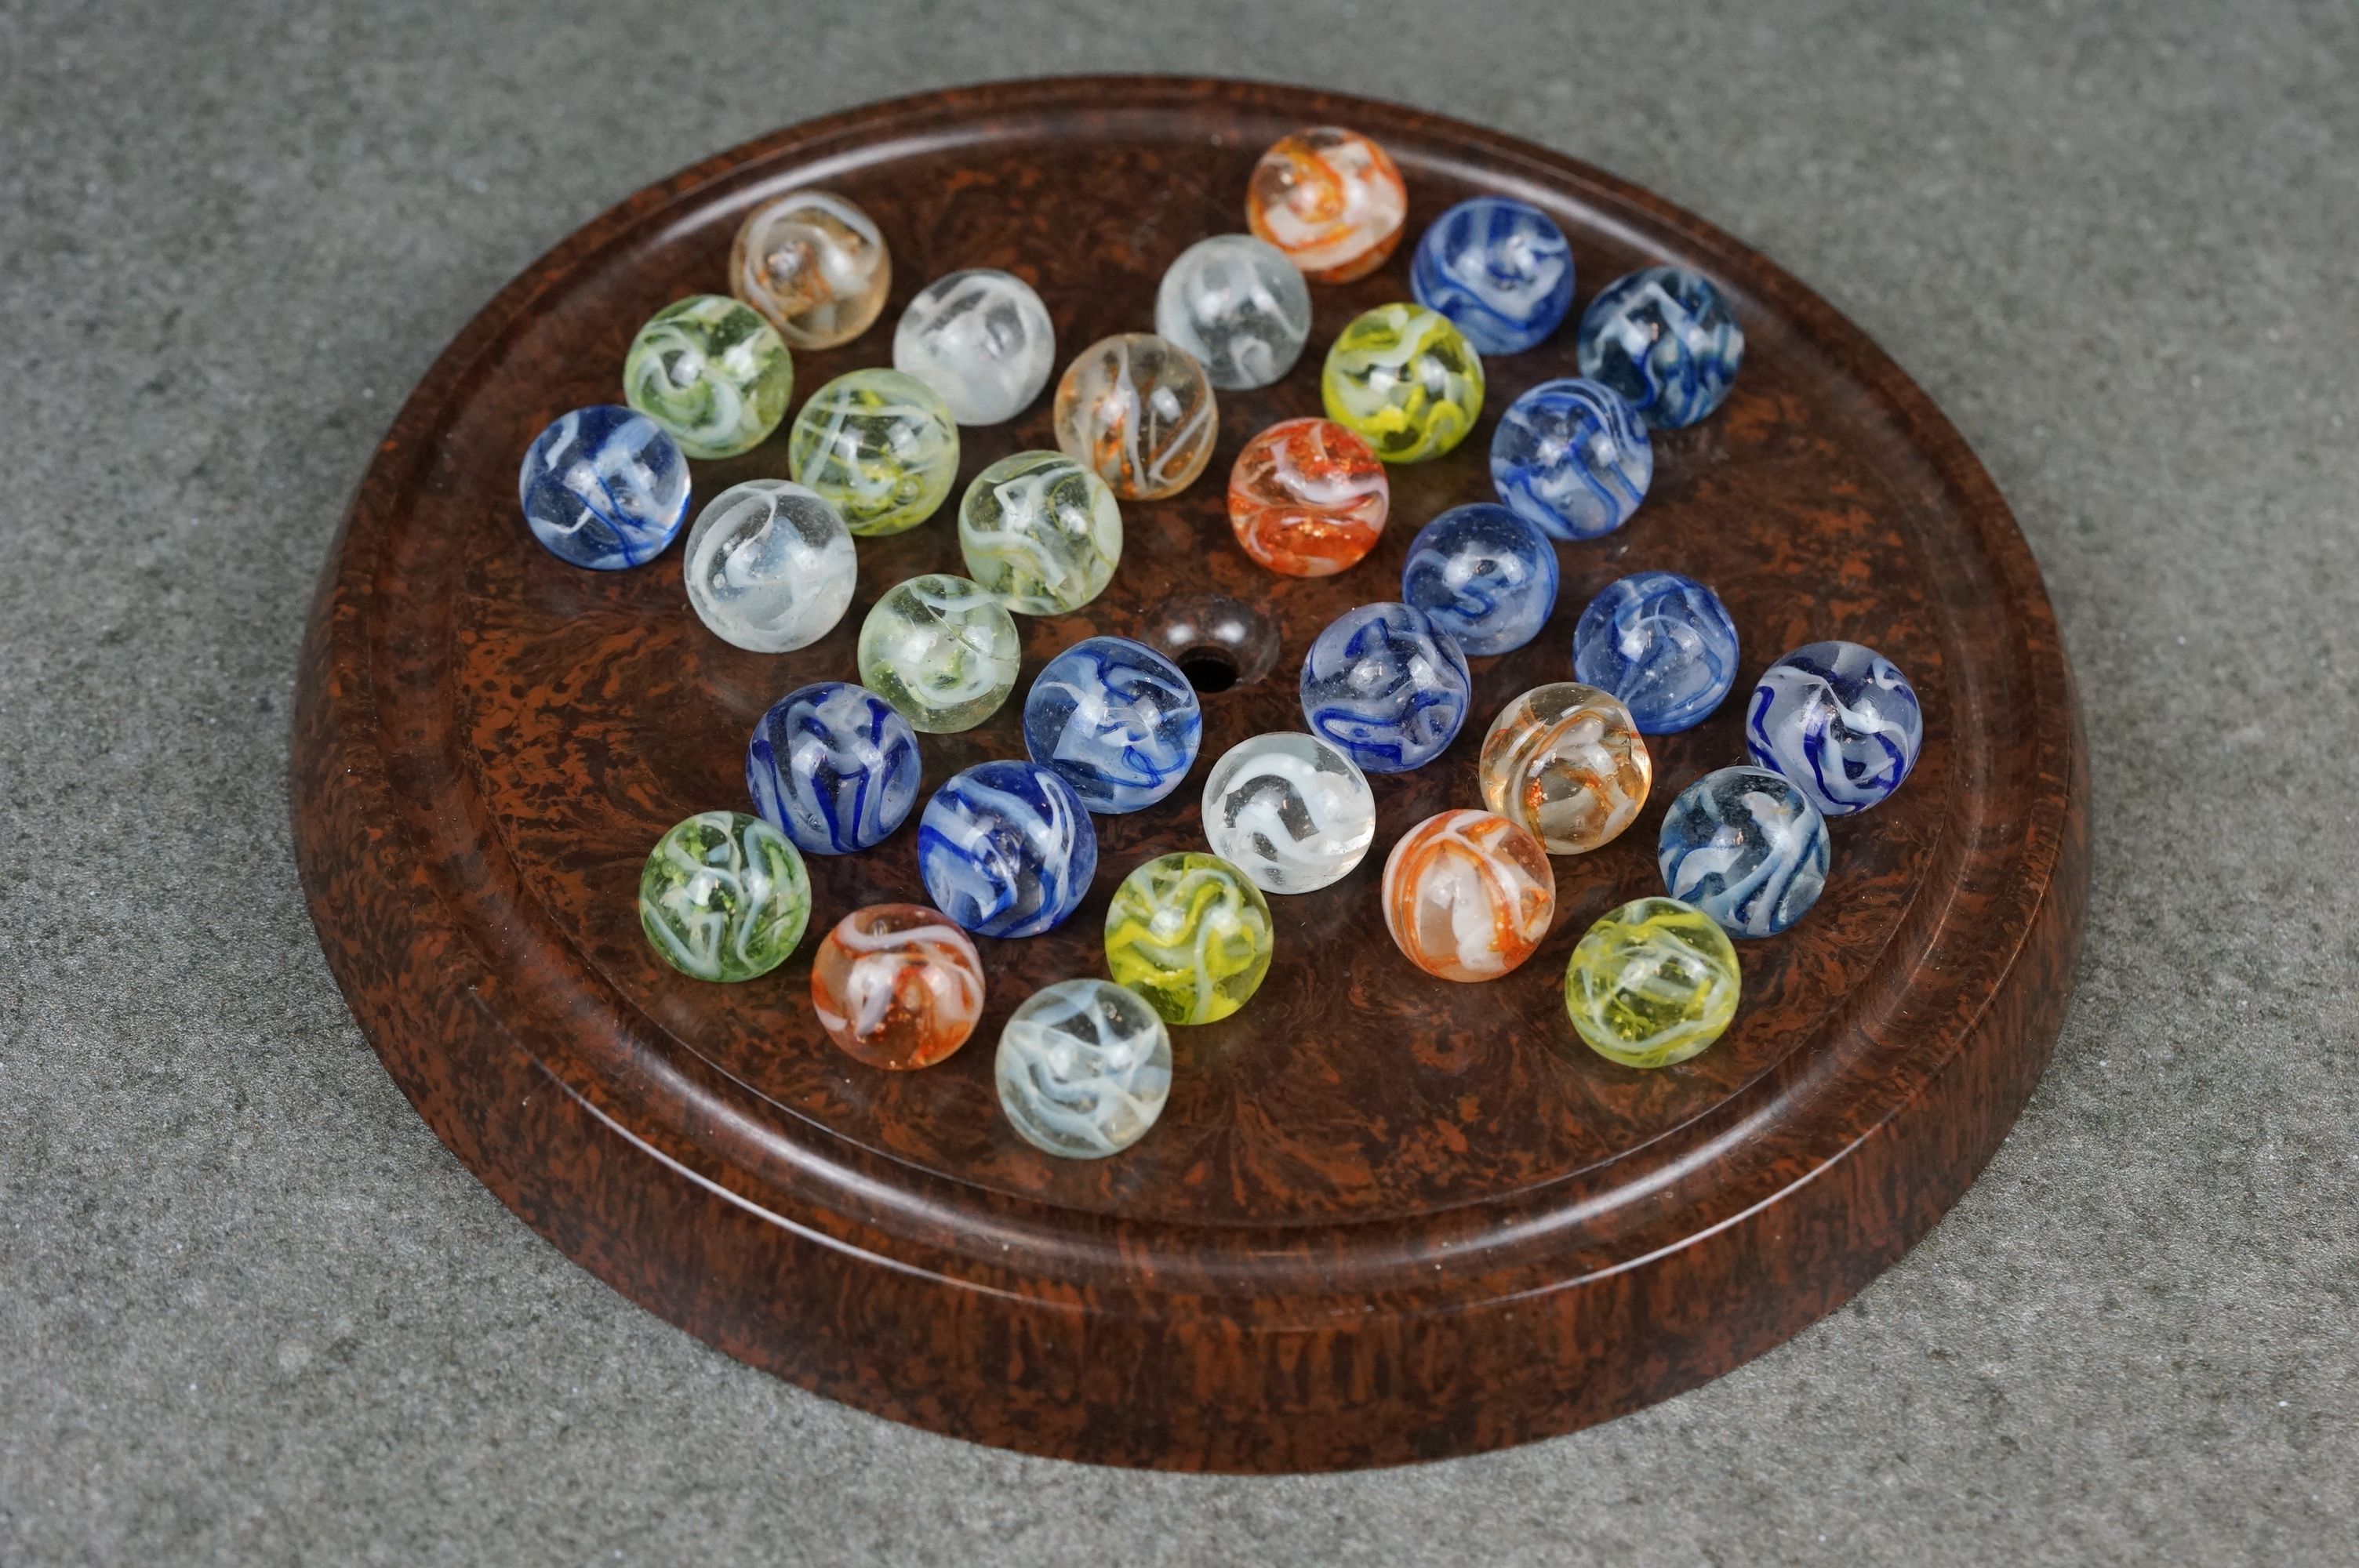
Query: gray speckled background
pixel 251 1312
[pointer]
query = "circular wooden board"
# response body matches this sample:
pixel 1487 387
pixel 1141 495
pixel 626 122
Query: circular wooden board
pixel 1383 1218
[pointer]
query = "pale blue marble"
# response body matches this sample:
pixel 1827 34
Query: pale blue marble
pixel 1501 270
pixel 604 487
pixel 1116 721
pixel 1839 720
pixel 1746 848
pixel 1571 456
pixel 1663 644
pixel 1665 341
pixel 1486 576
pixel 1006 848
pixel 1388 686
pixel 834 768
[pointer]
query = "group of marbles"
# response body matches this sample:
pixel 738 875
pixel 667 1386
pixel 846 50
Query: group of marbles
pixel 1007 849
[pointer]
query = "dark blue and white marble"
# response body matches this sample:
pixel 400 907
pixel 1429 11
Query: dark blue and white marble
pixel 834 768
pixel 1006 848
pixel 1500 269
pixel 1839 720
pixel 1116 721
pixel 1665 341
pixel 1570 457
pixel 1661 642
pixel 1486 576
pixel 1388 686
pixel 605 488
pixel 1746 848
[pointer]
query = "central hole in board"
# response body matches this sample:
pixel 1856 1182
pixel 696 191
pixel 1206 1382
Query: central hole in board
pixel 1209 669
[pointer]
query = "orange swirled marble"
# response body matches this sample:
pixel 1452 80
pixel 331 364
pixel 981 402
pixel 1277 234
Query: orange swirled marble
pixel 1565 763
pixel 1308 498
pixel 898 986
pixel 1332 200
pixel 1468 895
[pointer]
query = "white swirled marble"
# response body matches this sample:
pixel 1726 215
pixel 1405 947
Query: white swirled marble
pixel 982 339
pixel 1291 811
pixel 1084 1067
pixel 1239 306
pixel 770 567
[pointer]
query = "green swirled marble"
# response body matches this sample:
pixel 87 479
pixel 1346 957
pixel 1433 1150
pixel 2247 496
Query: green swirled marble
pixel 711 372
pixel 942 650
pixel 1405 381
pixel 724 896
pixel 1040 531
pixel 880 445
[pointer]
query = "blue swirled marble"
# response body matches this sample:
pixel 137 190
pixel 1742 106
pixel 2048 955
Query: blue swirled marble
pixel 1501 270
pixel 1006 848
pixel 1387 685
pixel 1661 642
pixel 1746 848
pixel 1486 576
pixel 833 767
pixel 1116 721
pixel 1570 457
pixel 604 487
pixel 1840 721
pixel 1665 341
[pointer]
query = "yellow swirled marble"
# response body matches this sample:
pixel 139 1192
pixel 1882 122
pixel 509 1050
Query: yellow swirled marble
pixel 1191 934
pixel 1405 381
pixel 1564 763
pixel 1653 982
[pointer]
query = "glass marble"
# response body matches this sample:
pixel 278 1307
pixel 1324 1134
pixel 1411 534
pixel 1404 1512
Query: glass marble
pixel 1190 933
pixel 832 767
pixel 1308 498
pixel 1387 685
pixel 880 446
pixel 1500 270
pixel 1140 413
pixel 1840 721
pixel 1331 201
pixel 1565 763
pixel 896 986
pixel 1652 983
pixel 1238 305
pixel 1405 381
pixel 1006 848
pixel 1570 456
pixel 1746 848
pixel 1040 531
pixel 1665 341
pixel 982 340
pixel 943 650
pixel 1661 642
pixel 1288 810
pixel 724 896
pixel 711 372
pixel 1084 1068
pixel 605 488
pixel 770 567
pixel 814 265
pixel 1484 576
pixel 1468 895
pixel 1116 721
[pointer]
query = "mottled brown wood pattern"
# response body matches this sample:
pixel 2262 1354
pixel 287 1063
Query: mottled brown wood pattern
pixel 1383 1218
